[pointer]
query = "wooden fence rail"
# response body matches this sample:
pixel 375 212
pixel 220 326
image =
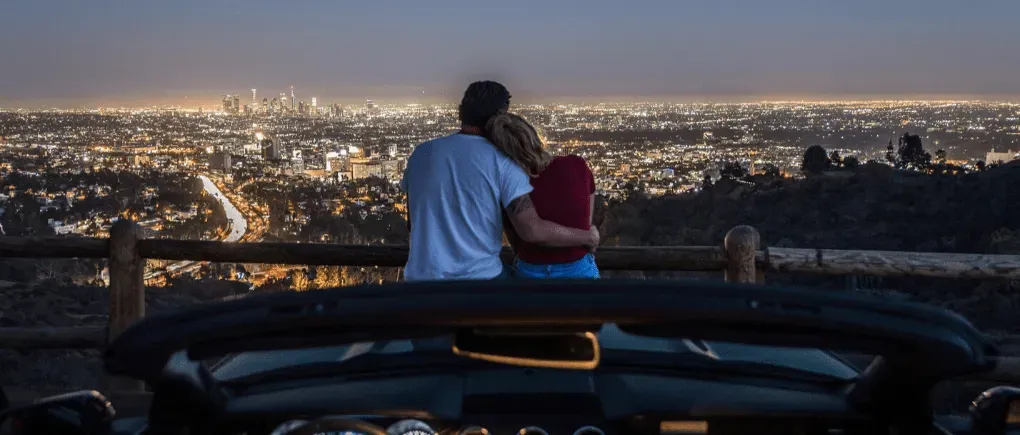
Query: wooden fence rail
pixel 645 258
pixel 740 257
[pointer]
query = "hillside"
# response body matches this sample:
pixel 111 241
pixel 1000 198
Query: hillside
pixel 873 207
pixel 54 304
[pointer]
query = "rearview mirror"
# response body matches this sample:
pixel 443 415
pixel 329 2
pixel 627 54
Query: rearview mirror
pixel 560 350
pixel 996 411
pixel 80 413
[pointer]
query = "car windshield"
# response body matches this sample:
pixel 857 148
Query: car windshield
pixel 611 338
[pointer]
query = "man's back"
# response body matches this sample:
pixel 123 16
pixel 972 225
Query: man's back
pixel 457 187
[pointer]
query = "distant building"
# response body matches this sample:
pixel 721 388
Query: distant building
pixel 61 228
pixel 219 161
pixel 993 157
pixel 364 168
pixel 335 162
pixel 390 169
pixel 271 149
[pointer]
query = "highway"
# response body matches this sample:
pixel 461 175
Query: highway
pixel 238 229
pixel 239 225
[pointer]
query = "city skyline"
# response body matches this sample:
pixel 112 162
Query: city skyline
pixel 186 53
pixel 212 101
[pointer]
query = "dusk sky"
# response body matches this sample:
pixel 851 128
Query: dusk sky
pixel 73 52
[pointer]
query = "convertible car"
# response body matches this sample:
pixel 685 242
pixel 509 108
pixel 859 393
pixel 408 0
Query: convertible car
pixel 541 358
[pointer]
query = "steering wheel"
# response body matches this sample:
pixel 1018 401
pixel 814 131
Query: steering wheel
pixel 337 424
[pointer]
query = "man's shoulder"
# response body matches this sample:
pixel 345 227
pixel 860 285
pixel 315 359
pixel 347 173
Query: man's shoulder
pixel 458 144
pixel 457 138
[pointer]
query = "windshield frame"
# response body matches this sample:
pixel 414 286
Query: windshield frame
pixel 806 363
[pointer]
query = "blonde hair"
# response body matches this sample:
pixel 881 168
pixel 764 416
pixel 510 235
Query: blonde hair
pixel 520 141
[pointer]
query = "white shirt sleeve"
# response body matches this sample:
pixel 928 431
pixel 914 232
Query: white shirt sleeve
pixel 513 182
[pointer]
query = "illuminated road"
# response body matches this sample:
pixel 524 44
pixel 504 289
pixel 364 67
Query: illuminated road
pixel 238 228
pixel 239 225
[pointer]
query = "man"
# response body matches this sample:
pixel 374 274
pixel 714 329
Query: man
pixel 458 187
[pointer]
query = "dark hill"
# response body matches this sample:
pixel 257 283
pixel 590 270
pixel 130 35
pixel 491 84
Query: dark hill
pixel 874 207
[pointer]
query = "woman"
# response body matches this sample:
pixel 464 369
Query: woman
pixel 564 193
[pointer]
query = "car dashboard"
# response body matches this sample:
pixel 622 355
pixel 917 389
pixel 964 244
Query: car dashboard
pixel 521 401
pixel 575 425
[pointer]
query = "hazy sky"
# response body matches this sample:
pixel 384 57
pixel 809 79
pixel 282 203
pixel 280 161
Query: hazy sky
pixel 104 51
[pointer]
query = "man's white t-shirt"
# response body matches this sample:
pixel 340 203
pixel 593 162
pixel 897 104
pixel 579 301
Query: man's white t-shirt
pixel 457 187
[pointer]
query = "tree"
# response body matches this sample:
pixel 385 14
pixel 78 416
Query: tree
pixel 327 276
pixel 815 160
pixel 911 153
pixel 851 162
pixel 980 165
pixel 299 280
pixel 733 170
pixel 940 156
pixel 771 170
pixel 890 154
pixel 834 159
pixel 706 182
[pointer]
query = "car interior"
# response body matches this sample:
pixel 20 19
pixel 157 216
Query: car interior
pixel 541 359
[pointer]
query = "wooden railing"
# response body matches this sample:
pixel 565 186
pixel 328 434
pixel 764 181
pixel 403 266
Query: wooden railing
pixel 740 258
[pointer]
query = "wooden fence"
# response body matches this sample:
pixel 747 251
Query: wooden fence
pixel 740 258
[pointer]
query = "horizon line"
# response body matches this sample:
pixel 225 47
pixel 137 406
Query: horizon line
pixel 213 103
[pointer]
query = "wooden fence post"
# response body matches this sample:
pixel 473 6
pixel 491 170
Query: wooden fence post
pixel 741 244
pixel 127 292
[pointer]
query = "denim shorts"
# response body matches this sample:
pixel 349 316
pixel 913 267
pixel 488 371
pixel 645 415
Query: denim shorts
pixel 583 268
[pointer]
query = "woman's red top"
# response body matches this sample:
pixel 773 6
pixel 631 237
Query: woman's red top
pixel 562 194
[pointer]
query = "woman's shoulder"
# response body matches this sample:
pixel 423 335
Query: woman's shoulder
pixel 571 160
pixel 570 166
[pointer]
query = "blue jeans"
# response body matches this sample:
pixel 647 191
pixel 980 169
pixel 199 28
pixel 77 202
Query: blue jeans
pixel 584 268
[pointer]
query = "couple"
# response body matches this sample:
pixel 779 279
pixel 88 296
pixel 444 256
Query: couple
pixel 495 174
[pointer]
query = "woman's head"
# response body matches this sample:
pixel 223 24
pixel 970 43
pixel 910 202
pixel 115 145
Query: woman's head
pixel 519 140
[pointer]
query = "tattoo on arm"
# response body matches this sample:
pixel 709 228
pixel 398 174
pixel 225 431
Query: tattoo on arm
pixel 519 205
